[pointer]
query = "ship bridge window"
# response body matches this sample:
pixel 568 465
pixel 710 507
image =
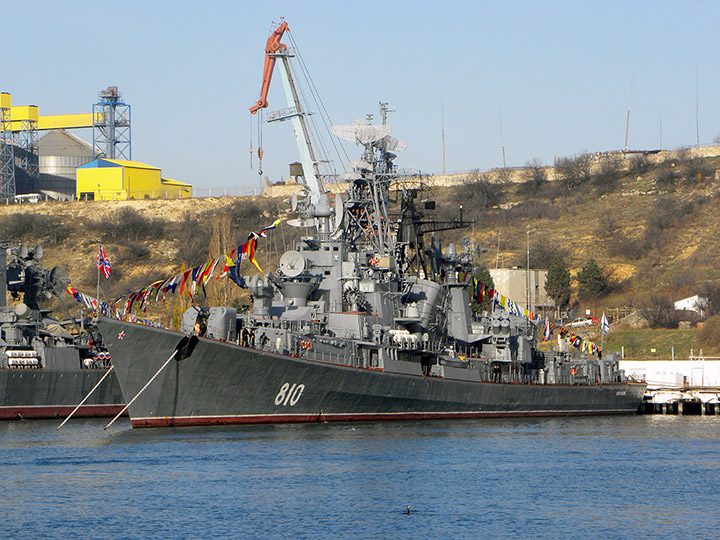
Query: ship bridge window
pixel 327 272
pixel 326 248
pixel 311 244
pixel 336 248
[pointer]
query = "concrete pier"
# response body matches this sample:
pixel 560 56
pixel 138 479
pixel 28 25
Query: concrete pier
pixel 699 401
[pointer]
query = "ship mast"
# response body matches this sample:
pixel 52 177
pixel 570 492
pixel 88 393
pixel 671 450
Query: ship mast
pixel 367 222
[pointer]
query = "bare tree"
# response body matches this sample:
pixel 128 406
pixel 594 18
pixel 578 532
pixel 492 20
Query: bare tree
pixel 535 177
pixel 659 310
pixel 220 243
pixel 574 170
pixel 477 194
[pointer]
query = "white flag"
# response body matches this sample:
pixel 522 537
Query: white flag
pixel 604 325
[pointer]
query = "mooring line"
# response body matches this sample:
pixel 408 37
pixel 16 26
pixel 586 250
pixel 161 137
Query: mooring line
pixel 86 397
pixel 142 389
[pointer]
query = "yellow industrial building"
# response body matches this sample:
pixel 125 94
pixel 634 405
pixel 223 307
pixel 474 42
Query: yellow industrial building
pixel 57 166
pixel 112 179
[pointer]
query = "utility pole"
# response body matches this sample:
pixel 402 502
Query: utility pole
pixel 528 303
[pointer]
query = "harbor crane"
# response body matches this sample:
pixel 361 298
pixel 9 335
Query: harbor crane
pixel 272 47
pixel 274 50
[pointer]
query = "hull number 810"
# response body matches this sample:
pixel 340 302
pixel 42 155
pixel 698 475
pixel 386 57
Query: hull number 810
pixel 289 395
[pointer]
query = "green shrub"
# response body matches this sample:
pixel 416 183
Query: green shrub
pixel 709 334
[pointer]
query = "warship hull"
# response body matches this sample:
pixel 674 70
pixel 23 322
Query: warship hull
pixel 54 393
pixel 224 383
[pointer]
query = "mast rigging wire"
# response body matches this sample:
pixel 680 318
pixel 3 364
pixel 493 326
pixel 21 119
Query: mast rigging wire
pixel 325 117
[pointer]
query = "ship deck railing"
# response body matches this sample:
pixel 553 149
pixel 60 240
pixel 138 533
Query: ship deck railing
pixel 325 357
pixel 473 361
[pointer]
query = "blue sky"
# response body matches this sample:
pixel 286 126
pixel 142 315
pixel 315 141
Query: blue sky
pixel 558 72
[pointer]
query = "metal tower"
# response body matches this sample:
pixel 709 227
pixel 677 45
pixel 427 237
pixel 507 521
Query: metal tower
pixel 7 166
pixel 111 126
pixel 26 150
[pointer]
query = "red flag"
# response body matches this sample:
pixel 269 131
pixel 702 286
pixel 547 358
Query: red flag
pixel 251 254
pixel 184 279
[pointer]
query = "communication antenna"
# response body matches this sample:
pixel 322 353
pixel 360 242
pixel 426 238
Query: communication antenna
pixel 627 123
pixel 502 143
pixel 362 133
pixel 442 116
pixel 697 106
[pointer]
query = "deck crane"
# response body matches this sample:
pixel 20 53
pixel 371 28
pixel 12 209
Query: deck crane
pixel 276 50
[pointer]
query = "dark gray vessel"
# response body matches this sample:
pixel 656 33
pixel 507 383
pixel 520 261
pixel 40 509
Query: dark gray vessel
pixel 361 321
pixel 47 366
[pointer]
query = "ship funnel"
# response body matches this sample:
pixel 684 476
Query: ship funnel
pixel 424 294
pixel 297 292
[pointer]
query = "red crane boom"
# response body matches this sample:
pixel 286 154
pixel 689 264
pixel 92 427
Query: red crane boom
pixel 273 45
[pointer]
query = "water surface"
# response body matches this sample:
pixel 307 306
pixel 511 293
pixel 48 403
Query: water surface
pixel 603 477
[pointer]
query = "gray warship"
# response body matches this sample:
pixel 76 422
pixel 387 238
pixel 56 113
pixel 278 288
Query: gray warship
pixel 47 365
pixel 364 319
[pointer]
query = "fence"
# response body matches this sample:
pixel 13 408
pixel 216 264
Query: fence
pixel 226 192
pixel 170 194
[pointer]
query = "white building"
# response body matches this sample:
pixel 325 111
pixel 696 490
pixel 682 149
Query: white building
pixel 513 283
pixel 695 303
pixel 674 373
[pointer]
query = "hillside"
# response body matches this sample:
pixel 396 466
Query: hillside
pixel 652 228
